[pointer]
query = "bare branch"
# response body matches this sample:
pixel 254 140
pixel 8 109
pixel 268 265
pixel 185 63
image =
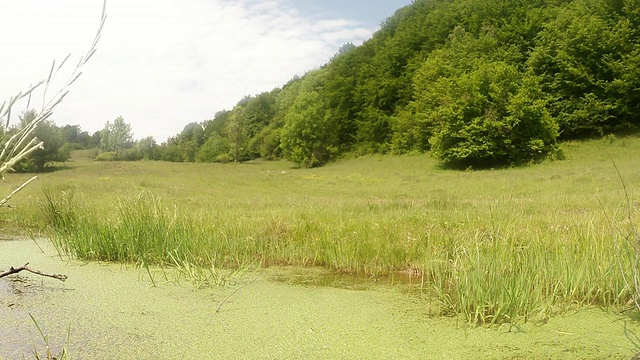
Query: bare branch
pixel 4 201
pixel 26 267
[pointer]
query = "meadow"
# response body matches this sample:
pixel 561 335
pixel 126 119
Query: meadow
pixel 491 246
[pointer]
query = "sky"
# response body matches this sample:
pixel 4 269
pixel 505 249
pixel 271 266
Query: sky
pixel 162 64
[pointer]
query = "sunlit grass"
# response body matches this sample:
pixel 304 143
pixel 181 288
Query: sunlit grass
pixel 494 245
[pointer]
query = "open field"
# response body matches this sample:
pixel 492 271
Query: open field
pixel 493 246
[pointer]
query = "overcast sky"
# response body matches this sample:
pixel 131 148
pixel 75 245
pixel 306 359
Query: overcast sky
pixel 164 63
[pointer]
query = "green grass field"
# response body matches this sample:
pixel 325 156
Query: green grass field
pixel 492 245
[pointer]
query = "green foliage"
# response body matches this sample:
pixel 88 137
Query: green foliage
pixel 237 133
pixel 491 116
pixel 148 149
pixel 373 130
pixel 106 156
pixel 73 136
pixel 216 124
pixel 116 136
pixel 411 132
pixel 308 137
pixel 212 150
pixel 268 143
pixel 53 150
pixel 413 126
pixel 189 141
pixel 585 56
pixel 257 114
pixel 242 130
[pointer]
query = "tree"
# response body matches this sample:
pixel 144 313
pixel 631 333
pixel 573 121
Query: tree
pixel 116 136
pixel 216 124
pixel 257 115
pixel 148 148
pixel 236 132
pixel 216 148
pixel 53 149
pixel 170 150
pixel 190 140
pixel 70 134
pixel 579 58
pixel 307 136
pixel 412 126
pixel 344 49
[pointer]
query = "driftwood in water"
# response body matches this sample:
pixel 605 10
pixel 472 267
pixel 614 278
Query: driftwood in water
pixel 25 267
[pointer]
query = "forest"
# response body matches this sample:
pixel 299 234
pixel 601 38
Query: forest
pixel 476 83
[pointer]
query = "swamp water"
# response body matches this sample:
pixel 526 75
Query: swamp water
pixel 114 312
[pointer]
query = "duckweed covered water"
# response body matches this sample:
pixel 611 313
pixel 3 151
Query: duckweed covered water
pixel 115 312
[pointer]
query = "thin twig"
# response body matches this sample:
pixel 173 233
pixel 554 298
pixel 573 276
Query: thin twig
pixel 236 290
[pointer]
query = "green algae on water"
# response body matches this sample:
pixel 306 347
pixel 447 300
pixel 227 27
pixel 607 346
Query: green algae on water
pixel 115 312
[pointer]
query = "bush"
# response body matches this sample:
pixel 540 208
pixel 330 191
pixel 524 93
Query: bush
pixel 106 156
pixel 492 116
pixel 224 158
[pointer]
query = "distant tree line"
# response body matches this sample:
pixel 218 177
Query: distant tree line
pixel 477 83
pixel 113 142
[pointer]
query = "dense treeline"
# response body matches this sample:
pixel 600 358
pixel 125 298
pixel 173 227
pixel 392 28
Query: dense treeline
pixel 475 82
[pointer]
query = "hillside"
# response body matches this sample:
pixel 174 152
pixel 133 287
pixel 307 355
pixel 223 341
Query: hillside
pixel 477 83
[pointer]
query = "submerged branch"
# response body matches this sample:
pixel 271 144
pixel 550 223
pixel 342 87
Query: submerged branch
pixel 25 267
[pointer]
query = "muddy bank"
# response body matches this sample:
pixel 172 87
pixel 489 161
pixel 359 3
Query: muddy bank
pixel 114 312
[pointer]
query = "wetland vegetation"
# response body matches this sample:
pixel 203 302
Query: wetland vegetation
pixel 492 246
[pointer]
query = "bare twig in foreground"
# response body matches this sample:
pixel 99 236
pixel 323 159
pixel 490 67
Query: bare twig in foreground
pixel 25 267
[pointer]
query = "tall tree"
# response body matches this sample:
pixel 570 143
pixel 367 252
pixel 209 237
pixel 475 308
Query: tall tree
pixel 309 136
pixel 116 136
pixel 237 134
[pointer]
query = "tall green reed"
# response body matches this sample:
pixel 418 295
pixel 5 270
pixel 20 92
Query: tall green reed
pixel 491 268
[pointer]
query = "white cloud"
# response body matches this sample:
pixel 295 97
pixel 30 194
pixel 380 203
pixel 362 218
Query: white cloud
pixel 162 63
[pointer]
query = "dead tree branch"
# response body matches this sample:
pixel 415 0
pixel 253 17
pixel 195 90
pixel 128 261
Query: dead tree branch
pixel 25 267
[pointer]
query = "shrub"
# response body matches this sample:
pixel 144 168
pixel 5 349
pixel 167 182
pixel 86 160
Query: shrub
pixel 224 158
pixel 494 115
pixel 106 156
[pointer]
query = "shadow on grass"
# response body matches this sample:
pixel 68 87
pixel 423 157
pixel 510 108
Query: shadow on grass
pixel 48 169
